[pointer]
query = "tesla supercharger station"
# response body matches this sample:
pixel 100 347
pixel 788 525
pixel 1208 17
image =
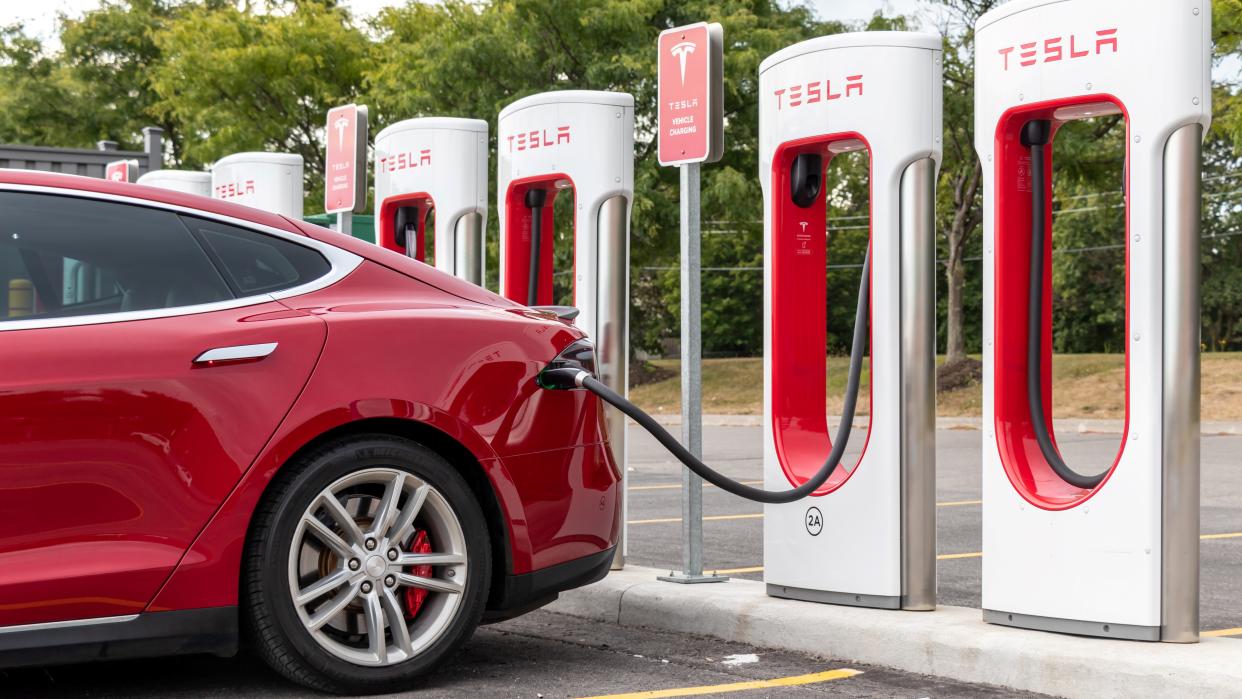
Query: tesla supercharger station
pixel 435 163
pixel 578 144
pixel 867 537
pixel 188 181
pixel 1115 554
pixel 268 181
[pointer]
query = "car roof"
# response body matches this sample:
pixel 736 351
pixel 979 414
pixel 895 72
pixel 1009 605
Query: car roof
pixel 36 178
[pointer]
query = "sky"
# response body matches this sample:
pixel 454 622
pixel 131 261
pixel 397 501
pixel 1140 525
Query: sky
pixel 40 16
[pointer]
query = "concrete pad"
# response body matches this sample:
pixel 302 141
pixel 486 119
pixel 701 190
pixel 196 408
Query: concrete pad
pixel 950 642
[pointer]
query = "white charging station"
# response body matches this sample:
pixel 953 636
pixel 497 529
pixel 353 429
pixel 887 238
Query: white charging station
pixel 188 181
pixel 440 164
pixel 580 144
pixel 867 537
pixel 1117 557
pixel 268 181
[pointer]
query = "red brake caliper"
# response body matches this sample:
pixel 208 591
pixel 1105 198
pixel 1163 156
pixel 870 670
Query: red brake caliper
pixel 414 596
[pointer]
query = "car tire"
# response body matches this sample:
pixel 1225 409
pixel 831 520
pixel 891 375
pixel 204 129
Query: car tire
pixel 289 558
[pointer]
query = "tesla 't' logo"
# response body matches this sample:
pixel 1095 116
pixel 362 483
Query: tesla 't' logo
pixel 680 52
pixel 341 124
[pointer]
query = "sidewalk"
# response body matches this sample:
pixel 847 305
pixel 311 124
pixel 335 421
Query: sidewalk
pixel 1081 426
pixel 951 642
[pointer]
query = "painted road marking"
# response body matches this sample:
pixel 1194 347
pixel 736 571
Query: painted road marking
pixel 759 515
pixel 1223 632
pixel 677 486
pixel 709 518
pixel 954 556
pixel 739 571
pixel 794 681
pixel 1229 535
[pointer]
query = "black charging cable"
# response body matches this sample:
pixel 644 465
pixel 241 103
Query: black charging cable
pixel 565 378
pixel 535 199
pixel 1035 136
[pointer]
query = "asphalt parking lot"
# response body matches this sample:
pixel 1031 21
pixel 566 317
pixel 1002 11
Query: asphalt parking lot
pixel 733 528
pixel 550 655
pixel 541 655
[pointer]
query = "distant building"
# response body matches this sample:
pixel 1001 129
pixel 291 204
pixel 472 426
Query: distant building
pixel 84 161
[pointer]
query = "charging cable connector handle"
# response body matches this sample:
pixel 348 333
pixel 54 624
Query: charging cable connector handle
pixel 568 378
pixel 535 199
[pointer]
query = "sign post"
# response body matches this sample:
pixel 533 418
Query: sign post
pixel 121 171
pixel 691 132
pixel 345 167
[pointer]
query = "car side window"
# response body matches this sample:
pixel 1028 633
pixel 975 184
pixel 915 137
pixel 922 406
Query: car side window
pixel 65 256
pixel 255 263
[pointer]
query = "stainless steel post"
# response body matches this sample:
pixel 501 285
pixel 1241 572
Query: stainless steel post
pixel 468 248
pixel 1179 531
pixel 612 303
pixel 918 382
pixel 345 223
pixel 691 381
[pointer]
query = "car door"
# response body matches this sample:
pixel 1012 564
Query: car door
pixel 140 375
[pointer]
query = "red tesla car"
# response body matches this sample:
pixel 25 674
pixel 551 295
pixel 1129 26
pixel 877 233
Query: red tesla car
pixel 216 421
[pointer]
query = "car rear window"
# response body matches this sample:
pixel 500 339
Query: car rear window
pixel 255 263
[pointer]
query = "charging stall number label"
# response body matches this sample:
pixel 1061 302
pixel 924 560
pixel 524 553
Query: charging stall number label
pixel 814 521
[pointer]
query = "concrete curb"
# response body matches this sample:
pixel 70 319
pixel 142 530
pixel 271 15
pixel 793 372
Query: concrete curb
pixel 950 642
pixel 1064 425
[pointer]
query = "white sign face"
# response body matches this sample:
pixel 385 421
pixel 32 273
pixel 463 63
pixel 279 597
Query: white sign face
pixel 691 82
pixel 345 176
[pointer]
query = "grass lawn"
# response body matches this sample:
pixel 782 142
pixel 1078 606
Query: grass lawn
pixel 1083 386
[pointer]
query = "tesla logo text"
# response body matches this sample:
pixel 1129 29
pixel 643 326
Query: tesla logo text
pixel 1057 48
pixel 680 52
pixel 530 140
pixel 404 161
pixel 234 189
pixel 817 91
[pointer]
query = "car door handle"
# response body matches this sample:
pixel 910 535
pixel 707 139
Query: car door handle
pixel 236 353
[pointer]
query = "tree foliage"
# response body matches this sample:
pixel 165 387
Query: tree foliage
pixel 222 76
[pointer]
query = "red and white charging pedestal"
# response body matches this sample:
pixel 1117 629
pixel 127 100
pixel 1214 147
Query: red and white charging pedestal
pixel 578 144
pixel 1119 557
pixel 440 164
pixel 867 537
pixel 188 181
pixel 268 181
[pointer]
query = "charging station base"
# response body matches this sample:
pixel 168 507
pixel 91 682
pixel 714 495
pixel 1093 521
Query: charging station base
pixel 1073 626
pixel 848 599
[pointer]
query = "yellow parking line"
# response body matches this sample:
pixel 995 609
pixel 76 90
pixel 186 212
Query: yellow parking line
pixel 710 518
pixel 759 515
pixel 952 556
pixel 1223 632
pixel 1228 535
pixel 794 681
pixel 739 571
pixel 677 486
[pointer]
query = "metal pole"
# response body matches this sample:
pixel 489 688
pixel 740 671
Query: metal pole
pixel 691 382
pixel 345 223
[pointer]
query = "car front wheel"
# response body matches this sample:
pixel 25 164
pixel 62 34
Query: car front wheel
pixel 367 565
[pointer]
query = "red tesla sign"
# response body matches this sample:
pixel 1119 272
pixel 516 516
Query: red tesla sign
pixel 121 170
pixel 690 82
pixel 345 166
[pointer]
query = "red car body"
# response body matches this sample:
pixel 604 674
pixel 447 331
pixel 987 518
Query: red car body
pixel 153 465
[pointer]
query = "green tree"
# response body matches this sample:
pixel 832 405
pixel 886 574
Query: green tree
pixel 239 80
pixel 464 59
